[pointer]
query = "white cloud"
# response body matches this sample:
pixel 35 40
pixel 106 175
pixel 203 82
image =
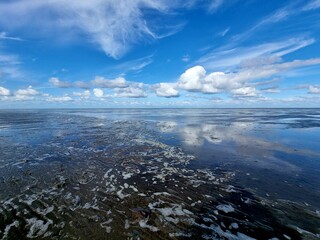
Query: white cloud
pixel 196 79
pixel 229 58
pixel 214 5
pixel 133 91
pixel 224 32
pixel 274 89
pixel 120 86
pixel 80 84
pixel 26 92
pixel 22 98
pixel 64 84
pixel 10 65
pixel 278 15
pixel 98 92
pixel 166 90
pixel 98 82
pixel 119 82
pixel 84 94
pixel 132 65
pixel 60 84
pixel 9 59
pixel 59 99
pixel 4 35
pixel 185 58
pixel 245 91
pixel 312 5
pixel 192 78
pixel 4 91
pixel 314 89
pixel 113 25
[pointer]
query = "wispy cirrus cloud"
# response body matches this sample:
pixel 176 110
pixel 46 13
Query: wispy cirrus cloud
pixel 135 65
pixel 4 36
pixel 10 65
pixel 279 15
pixel 113 25
pixel 312 5
pixel 214 5
pixel 229 58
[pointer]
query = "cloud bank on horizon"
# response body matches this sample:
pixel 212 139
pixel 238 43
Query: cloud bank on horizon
pixel 149 53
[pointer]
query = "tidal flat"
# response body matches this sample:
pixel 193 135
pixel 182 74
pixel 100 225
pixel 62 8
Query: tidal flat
pixel 160 174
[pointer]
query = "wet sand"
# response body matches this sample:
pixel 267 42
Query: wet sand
pixel 157 174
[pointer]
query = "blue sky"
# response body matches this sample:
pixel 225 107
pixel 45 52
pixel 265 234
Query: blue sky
pixel 150 53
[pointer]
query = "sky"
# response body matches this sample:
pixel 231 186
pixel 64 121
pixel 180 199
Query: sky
pixel 151 53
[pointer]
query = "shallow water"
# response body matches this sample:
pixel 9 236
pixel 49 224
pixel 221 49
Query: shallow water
pixel 160 174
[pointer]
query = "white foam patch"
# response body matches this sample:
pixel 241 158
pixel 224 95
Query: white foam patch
pixel 45 211
pixel 180 234
pixel 175 210
pixel 225 208
pixel 106 175
pixel 143 224
pixel 126 224
pixel 127 175
pixel 225 234
pixel 105 225
pixel 122 195
pixel 161 193
pixel 37 227
pixel 8 227
pixel 234 225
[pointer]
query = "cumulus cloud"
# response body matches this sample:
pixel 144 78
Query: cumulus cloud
pixel 4 91
pixel 64 84
pixel 133 91
pixel 166 90
pixel 119 86
pixel 245 91
pixel 101 82
pixel 314 89
pixel 84 94
pixel 196 78
pixel 27 92
pixel 192 78
pixel 113 25
pixel 98 92
pixel 60 84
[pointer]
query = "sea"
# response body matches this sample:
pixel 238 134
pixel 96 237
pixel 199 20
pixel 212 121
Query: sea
pixel 160 174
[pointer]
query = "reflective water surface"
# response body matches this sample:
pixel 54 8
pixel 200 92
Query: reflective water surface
pixel 160 174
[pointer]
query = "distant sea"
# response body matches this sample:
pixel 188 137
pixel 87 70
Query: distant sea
pixel 160 174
